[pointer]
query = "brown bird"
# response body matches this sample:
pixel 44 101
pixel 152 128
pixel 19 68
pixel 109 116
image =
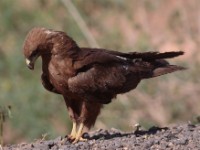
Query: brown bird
pixel 88 78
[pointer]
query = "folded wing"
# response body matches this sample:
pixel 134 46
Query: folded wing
pixel 101 74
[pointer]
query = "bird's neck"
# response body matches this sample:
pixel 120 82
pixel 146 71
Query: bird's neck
pixel 65 47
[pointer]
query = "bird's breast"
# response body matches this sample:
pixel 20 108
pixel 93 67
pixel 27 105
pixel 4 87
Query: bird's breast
pixel 59 76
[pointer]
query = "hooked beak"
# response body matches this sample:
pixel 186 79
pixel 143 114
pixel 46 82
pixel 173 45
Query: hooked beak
pixel 30 63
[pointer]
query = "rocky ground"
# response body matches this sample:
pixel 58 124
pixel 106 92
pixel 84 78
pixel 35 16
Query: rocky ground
pixel 186 136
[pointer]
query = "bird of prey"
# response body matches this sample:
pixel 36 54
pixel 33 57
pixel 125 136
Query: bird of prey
pixel 88 78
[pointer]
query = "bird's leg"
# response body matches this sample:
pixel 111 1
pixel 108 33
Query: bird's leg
pixel 72 136
pixel 79 134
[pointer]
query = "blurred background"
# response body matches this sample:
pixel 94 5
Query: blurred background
pixel 131 25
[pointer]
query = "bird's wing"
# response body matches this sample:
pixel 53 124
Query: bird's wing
pixel 99 81
pixel 99 75
pixel 147 56
pixel 89 57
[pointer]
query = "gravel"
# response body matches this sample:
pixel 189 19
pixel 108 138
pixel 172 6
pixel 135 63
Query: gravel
pixel 185 136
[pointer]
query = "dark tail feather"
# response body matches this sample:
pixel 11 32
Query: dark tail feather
pixel 166 69
pixel 150 56
pixel 161 66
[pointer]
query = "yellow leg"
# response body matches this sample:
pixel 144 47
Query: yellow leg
pixel 72 136
pixel 73 133
pixel 79 134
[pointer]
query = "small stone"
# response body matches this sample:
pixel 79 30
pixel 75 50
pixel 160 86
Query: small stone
pixel 182 141
pixel 170 144
pixel 163 146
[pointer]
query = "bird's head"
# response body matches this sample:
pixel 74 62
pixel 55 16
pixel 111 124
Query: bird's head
pixel 36 44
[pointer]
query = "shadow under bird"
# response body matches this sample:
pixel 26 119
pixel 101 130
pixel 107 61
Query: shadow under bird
pixel 88 78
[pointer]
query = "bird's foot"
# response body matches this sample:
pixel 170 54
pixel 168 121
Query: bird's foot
pixel 79 139
pixel 71 137
pixel 75 137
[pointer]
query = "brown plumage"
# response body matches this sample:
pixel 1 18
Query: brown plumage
pixel 89 77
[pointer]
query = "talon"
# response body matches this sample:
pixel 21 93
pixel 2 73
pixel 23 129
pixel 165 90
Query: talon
pixel 79 139
pixel 71 137
pixel 75 141
pixel 82 139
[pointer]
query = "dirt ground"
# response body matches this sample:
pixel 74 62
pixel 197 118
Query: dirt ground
pixel 185 136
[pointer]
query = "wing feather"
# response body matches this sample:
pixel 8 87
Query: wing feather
pixel 88 57
pixel 100 83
